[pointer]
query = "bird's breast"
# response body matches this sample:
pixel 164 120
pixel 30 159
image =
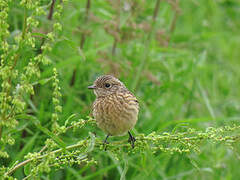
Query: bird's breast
pixel 117 113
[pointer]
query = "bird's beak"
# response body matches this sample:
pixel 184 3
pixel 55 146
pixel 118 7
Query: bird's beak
pixel 92 87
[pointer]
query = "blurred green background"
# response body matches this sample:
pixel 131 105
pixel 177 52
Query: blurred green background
pixel 181 61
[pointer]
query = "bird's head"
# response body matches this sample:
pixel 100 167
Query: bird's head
pixel 106 85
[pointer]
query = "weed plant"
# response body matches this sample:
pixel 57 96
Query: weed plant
pixel 180 58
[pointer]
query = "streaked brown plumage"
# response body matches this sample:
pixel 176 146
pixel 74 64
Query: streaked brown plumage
pixel 115 108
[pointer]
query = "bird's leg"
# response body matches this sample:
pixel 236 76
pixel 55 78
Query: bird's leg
pixel 131 139
pixel 105 142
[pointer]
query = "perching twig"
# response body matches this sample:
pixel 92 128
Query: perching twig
pixel 182 142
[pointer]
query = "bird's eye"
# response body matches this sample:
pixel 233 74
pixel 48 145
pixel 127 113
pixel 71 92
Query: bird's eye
pixel 107 85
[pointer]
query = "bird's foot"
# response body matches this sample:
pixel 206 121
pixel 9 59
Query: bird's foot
pixel 105 142
pixel 131 139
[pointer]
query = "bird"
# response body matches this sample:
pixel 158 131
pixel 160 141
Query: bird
pixel 115 108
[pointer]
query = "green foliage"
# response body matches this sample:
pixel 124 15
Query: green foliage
pixel 180 59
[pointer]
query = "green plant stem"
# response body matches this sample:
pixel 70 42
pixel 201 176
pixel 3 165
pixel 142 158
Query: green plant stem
pixel 99 143
pixel 40 157
pixel 152 139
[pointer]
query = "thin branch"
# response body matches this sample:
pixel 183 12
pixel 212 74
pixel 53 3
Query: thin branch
pixel 41 157
pixel 18 166
pixel 45 147
pixel 182 142
pixel 51 10
pixel 27 177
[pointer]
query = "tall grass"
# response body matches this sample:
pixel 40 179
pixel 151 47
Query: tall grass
pixel 181 60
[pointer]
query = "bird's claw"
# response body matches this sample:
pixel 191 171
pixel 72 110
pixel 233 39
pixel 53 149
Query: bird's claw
pixel 105 142
pixel 131 139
